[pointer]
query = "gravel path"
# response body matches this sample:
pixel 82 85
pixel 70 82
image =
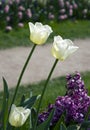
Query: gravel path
pixel 41 62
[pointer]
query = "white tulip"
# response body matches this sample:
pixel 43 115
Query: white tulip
pixel 18 115
pixel 39 32
pixel 62 48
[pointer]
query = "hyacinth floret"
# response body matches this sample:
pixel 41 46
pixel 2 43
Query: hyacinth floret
pixel 74 105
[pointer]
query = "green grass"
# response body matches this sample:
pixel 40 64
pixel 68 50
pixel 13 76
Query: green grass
pixel 72 29
pixel 17 37
pixel 55 88
pixel 67 29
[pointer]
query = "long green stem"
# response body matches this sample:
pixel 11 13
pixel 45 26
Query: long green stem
pixel 22 72
pixel 21 75
pixel 44 89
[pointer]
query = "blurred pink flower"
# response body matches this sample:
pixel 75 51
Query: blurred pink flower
pixel 17 1
pixel 71 6
pixel 65 16
pixel 8 18
pixel 20 25
pixel 20 15
pixel 29 13
pixel 62 10
pixel 8 28
pixel 75 6
pixel 67 4
pixel 61 3
pixel 62 17
pixel 21 8
pixel 70 12
pixel 6 9
pixel 51 16
pixel 10 2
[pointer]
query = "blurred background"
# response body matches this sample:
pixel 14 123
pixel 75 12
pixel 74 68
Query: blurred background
pixel 16 12
pixel 64 16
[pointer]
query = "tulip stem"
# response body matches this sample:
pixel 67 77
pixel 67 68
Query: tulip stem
pixel 22 72
pixel 43 92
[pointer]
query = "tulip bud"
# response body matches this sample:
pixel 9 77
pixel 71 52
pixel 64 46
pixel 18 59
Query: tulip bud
pixel 18 116
pixel 39 33
pixel 62 48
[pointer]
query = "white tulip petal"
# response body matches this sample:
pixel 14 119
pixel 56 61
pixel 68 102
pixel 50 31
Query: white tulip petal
pixel 18 115
pixel 31 27
pixel 39 25
pixel 57 39
pixel 39 33
pixel 68 42
pixel 62 48
pixel 55 46
pixel 48 28
pixel 72 49
pixel 62 45
pixel 57 54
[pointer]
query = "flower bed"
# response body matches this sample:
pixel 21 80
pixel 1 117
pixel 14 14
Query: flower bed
pixel 73 106
pixel 15 13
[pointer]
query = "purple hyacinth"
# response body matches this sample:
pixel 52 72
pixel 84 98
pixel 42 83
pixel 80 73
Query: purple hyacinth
pixel 74 105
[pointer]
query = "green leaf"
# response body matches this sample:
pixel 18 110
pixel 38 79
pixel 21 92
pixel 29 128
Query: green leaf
pixel 72 127
pixel 85 124
pixel 57 126
pixel 33 116
pixel 87 114
pixel 22 100
pixel 45 125
pixel 6 92
pixel 28 103
pixel 63 127
pixel 5 104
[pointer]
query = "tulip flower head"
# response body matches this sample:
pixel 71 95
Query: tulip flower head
pixel 39 33
pixel 18 116
pixel 62 48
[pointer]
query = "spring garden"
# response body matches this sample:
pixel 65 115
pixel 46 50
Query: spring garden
pixel 62 103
